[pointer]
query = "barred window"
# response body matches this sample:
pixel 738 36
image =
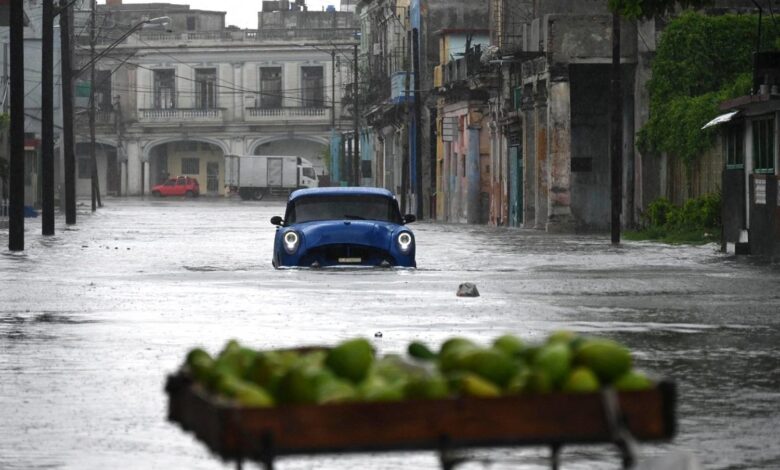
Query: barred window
pixel 734 146
pixel 190 166
pixel 764 145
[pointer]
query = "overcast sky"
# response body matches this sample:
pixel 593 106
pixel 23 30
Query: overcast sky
pixel 242 13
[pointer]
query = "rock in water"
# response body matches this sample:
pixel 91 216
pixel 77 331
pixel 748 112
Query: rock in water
pixel 468 289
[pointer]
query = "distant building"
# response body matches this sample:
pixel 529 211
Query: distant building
pixel 176 100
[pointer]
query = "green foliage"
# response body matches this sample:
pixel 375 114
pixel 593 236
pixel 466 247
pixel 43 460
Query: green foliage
pixel 697 221
pixel 701 61
pixel 634 9
pixel 5 119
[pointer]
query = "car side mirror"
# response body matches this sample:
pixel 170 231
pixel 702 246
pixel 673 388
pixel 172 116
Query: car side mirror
pixel 409 218
pixel 276 220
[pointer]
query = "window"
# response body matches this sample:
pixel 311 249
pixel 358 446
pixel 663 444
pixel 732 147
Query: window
pixel 85 168
pixel 164 89
pixel 204 88
pixel 103 90
pixel 734 146
pixel 764 145
pixel 190 166
pixel 192 23
pixel 312 94
pixel 358 207
pixel 271 87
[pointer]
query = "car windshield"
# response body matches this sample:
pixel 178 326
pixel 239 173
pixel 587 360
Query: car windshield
pixel 306 209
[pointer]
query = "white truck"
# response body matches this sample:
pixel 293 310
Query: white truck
pixel 255 176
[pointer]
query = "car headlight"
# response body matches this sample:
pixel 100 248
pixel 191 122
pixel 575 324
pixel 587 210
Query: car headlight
pixel 405 241
pixel 291 241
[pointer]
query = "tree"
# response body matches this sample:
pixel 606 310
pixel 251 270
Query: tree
pixel 632 10
pixel 645 9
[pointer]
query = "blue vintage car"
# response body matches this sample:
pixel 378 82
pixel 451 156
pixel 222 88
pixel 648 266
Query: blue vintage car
pixel 343 227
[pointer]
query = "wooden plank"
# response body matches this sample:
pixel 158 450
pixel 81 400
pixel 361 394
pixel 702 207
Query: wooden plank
pixel 232 431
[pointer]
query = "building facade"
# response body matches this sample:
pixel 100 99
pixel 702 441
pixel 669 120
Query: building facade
pixel 175 101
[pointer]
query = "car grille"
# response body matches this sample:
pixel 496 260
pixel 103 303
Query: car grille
pixel 337 254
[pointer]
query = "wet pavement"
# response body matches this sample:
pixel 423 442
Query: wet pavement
pixel 94 318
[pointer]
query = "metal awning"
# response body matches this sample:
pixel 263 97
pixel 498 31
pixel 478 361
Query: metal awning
pixel 721 119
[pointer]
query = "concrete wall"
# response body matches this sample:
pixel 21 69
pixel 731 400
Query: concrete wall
pixel 125 16
pixel 304 19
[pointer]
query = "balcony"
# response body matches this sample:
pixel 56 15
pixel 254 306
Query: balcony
pixel 287 114
pixel 178 115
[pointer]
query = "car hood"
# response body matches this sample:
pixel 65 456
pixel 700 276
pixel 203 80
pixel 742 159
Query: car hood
pixel 359 232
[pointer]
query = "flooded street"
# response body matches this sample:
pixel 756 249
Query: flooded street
pixel 93 319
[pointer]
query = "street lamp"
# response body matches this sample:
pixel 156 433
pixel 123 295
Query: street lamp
pixel 161 21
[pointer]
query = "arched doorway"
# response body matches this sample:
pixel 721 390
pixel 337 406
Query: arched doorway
pixel 202 160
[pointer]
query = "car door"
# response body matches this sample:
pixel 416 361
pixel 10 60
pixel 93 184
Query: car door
pixel 181 187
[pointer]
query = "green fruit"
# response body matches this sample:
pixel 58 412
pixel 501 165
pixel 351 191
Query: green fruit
pixel 563 336
pixel 455 343
pixel 608 359
pixel 427 388
pixel 489 364
pixel 197 354
pixel 519 381
pixel 351 359
pixel 633 380
pixel 451 352
pixel 395 370
pixel 335 390
pixel 253 396
pixel 581 380
pixel 201 368
pixel 300 385
pixel 510 345
pixel 555 360
pixel 375 388
pixel 420 351
pixel 228 385
pixel 538 381
pixel 529 353
pixel 475 386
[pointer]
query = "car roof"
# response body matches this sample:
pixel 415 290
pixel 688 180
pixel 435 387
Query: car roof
pixel 340 191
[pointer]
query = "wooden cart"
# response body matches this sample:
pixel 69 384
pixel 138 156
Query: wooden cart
pixel 238 433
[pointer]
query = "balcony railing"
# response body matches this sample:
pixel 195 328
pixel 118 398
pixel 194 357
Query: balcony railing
pixel 181 115
pixel 291 114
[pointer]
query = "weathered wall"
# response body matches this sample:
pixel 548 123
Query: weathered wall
pixel 590 145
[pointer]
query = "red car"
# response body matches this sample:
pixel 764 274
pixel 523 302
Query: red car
pixel 179 186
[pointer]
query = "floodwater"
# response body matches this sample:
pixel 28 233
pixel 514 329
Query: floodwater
pixel 94 318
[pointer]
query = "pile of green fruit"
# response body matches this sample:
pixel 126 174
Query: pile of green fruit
pixel 350 371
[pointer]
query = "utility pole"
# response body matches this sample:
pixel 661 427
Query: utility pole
pixel 418 186
pixel 47 119
pixel 332 89
pixel 16 135
pixel 67 114
pixel 356 145
pixel 616 150
pixel 93 158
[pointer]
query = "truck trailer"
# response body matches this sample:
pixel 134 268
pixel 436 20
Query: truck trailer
pixel 255 176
